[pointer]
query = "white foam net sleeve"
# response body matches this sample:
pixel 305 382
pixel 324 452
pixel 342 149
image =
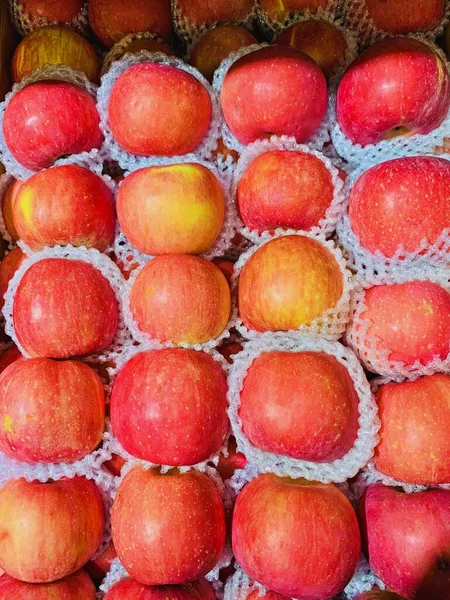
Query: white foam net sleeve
pixel 365 345
pixel 25 23
pixel 64 73
pixel 320 137
pixel 130 161
pixel 332 323
pixel 118 50
pixel 362 581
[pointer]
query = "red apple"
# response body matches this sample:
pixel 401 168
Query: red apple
pixel 169 406
pixel 168 529
pixel 115 465
pixel 377 594
pixel 51 411
pixel 8 267
pixel 198 13
pixel 47 120
pixel 75 587
pixel 323 42
pixel 65 205
pixel 408 540
pixel 171 209
pixel 294 99
pixel 7 208
pixel 53 10
pixel 235 460
pixel 310 409
pixel 409 321
pixel 283 188
pixel 297 538
pixel 278 10
pixel 99 567
pixel 111 20
pixel 229 349
pixel 9 356
pixel 400 202
pixel 414 436
pixel 181 298
pixel 129 589
pixel 158 109
pixel 399 86
pixel 226 266
pixel 215 45
pixel 400 16
pixel 49 530
pixel 255 595
pixel 64 308
pixel 276 293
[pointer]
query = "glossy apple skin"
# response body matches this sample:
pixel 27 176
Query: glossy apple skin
pixel 397 86
pixel 295 537
pixel 171 209
pixel 51 411
pixel 9 356
pixel 168 529
pixel 414 443
pixel 276 294
pixel 65 205
pixel 213 13
pixel 111 20
pixel 128 589
pixel 320 40
pixel 277 11
pixel 411 320
pixel 53 10
pixel 99 567
pixel 215 45
pixel 7 211
pixel 226 266
pixel 235 460
pixel 115 465
pixel 400 16
pixel 377 594
pixel 310 409
pixel 169 406
pixel 283 188
pixel 158 109
pixel 54 45
pixel 47 120
pixel 181 298
pixel 64 308
pixel 408 540
pixel 75 587
pixel 8 267
pixel 294 88
pixel 400 202
pixel 73 513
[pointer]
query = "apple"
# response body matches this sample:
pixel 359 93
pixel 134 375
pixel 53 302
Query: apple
pixel 47 120
pixel 200 14
pixel 377 594
pixel 310 409
pixel 54 45
pixel 181 298
pixel 399 86
pixel 400 202
pixel 115 465
pixel 276 293
pixel 133 44
pixel 51 411
pixel 49 530
pixel 99 567
pixel 294 101
pixel 65 205
pixel 158 109
pixel 278 11
pixel 235 460
pixel 52 10
pixel 64 308
pixel 7 208
pixel 296 537
pixel 408 540
pixel 75 587
pixel 408 321
pixel 8 267
pixel 111 20
pixel 400 16
pixel 323 42
pixel 226 266
pixel 169 406
pixel 415 418
pixel 171 209
pixel 283 188
pixel 228 350
pixel 255 595
pixel 167 529
pixel 215 45
pixel 129 589
pixel 9 356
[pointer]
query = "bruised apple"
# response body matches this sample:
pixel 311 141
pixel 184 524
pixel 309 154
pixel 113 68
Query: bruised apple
pixel 129 589
pixel 171 209
pixel 74 587
pixel 278 11
pixel 64 308
pixel 49 530
pixel 65 205
pixel 181 298
pixel 157 109
pixel 288 282
pixel 8 267
pixel 294 99
pixel 283 188
pixel 50 411
pixel 296 537
pixel 168 529
pixel 198 13
pixel 400 16
pixel 169 406
pixel 7 208
pixel 52 10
